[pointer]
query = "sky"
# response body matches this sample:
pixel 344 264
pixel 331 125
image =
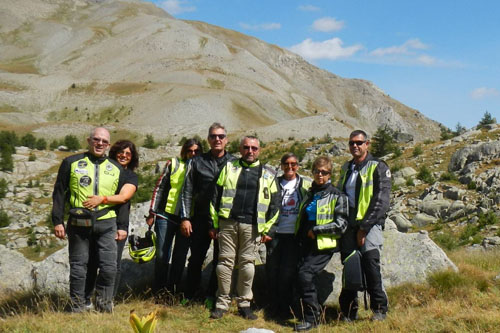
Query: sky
pixel 441 57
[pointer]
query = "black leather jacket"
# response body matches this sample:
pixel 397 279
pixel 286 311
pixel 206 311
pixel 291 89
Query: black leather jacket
pixel 199 183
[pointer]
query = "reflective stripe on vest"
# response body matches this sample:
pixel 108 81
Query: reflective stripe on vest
pixel 366 190
pixel 228 179
pixel 176 180
pixel 325 213
pixel 87 178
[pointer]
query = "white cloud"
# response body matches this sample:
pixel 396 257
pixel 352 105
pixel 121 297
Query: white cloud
pixel 484 92
pixel 427 60
pixel 405 48
pixel 261 26
pixel 175 7
pixel 327 24
pixel 329 49
pixel 309 8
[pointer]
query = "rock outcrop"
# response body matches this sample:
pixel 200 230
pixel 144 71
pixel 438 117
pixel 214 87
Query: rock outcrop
pixel 406 258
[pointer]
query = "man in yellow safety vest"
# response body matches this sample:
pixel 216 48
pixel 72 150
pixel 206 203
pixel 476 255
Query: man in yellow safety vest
pixel 245 206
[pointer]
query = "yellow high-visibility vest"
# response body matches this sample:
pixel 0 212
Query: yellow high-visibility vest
pixel 228 180
pixel 87 178
pixel 366 191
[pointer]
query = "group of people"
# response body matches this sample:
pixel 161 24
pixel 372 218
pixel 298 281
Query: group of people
pixel 238 203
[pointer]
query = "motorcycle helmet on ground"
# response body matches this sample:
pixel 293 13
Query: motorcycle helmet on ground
pixel 142 249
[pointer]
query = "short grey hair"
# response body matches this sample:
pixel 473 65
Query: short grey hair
pixel 215 126
pixel 250 137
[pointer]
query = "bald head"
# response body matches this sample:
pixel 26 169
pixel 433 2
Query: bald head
pixel 98 141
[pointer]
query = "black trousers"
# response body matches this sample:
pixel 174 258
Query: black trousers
pixel 199 244
pixel 348 299
pixel 281 270
pixel 99 243
pixel 311 263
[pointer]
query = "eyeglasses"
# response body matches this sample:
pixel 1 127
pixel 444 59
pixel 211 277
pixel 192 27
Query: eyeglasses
pixel 253 148
pixel 97 140
pixel 124 153
pixel 321 172
pixel 290 164
pixel 193 151
pixel 357 143
pixel 217 136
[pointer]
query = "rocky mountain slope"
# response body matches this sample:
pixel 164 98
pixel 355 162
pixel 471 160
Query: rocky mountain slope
pixel 66 65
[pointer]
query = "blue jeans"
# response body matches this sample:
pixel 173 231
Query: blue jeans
pixel 166 230
pixel 98 240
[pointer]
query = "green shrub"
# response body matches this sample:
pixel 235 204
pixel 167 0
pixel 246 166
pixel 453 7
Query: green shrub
pixel 32 157
pixel 425 175
pixel 486 120
pixel 448 176
pixel 54 144
pixel 41 144
pixel 446 241
pixel 487 219
pixel 150 143
pixel 31 237
pixel 446 133
pixel 4 219
pixel 383 142
pixel 410 182
pixel 3 188
pixel 28 200
pixel 428 141
pixel 28 140
pixel 472 185
pixel 396 167
pixel 6 162
pixel 325 139
pixel 417 151
pixel 397 152
pixel 468 232
pixel 299 150
pixel 72 142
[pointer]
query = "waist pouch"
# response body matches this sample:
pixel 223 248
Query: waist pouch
pixel 353 277
pixel 83 217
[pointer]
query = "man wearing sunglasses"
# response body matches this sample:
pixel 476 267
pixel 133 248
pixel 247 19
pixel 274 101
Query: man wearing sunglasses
pixel 245 205
pixel 199 182
pixel 79 176
pixel 367 182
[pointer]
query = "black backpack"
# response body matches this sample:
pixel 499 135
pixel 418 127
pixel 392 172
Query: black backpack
pixel 353 277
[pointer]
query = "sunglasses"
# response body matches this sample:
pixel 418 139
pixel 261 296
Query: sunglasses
pixel 321 172
pixel 97 140
pixel 253 148
pixel 193 151
pixel 217 136
pixel 357 143
pixel 124 153
pixel 290 164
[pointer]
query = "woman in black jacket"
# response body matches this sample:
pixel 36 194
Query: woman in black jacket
pixel 323 217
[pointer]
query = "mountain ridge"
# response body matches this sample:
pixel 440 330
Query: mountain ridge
pixel 132 66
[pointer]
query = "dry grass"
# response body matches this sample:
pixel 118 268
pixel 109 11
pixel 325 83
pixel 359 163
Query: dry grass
pixel 126 88
pixel 467 301
pixel 20 66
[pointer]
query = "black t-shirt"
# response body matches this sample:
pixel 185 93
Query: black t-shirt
pixel 131 178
